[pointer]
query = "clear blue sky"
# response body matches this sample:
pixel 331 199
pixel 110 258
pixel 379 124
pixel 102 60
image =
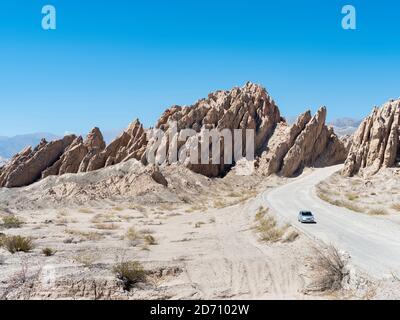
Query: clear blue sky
pixel 109 62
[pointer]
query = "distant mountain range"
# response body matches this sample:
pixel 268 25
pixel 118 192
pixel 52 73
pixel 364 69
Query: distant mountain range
pixel 342 126
pixel 345 126
pixel 9 146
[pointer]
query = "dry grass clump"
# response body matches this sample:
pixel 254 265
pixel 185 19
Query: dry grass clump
pixel 85 210
pixel 17 244
pixel 261 212
pixel 129 273
pixel 351 196
pixel 167 206
pixel 137 207
pixel 149 240
pixel 2 237
pixel 340 203
pixel 10 222
pixel 92 236
pixel 234 194
pixel 330 268
pixel 106 226
pixel 87 260
pixel 267 226
pixel 196 208
pixel 396 206
pixel 291 236
pixel 219 204
pixel 377 212
pixel 133 236
pixel 199 224
pixel 350 206
pixel 48 252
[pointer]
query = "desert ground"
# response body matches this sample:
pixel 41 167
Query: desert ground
pixel 198 238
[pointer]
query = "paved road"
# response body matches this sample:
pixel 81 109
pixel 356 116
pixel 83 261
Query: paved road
pixel 372 242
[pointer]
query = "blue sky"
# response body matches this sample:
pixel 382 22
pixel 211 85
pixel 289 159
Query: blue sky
pixel 109 62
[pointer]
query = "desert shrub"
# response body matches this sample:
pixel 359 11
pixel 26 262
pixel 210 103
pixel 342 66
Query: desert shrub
pixel 350 206
pixel 86 260
pixel 268 229
pixel 17 244
pixel 129 273
pixel 196 208
pixel 2 237
pixel 199 224
pixel 323 196
pixel 48 252
pixel 146 231
pixel 261 212
pixel 132 236
pixel 149 240
pixel 93 236
pixel 85 210
pixel 219 204
pixel 330 269
pixel 396 206
pixel 291 236
pixel 106 226
pixel 351 196
pixel 234 194
pixel 377 212
pixel 341 203
pixel 11 221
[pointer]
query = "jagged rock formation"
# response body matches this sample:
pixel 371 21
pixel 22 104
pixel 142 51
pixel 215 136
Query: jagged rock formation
pixel 308 142
pixel 376 143
pixel 27 166
pixel 71 160
pixel 131 144
pixel 248 107
pixel 280 148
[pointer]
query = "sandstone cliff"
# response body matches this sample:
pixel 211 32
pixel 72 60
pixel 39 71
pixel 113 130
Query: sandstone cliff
pixel 248 107
pixel 376 143
pixel 308 142
pixel 278 147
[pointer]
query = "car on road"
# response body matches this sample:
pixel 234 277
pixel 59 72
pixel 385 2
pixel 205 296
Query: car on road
pixel 306 217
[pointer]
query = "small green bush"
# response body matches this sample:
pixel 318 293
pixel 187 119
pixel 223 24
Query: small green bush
pixel 11 222
pixel 48 252
pixel 17 244
pixel 129 273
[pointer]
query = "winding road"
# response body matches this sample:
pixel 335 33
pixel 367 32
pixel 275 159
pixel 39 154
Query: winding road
pixel 372 242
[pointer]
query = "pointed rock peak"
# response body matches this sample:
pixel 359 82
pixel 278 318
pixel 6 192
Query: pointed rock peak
pixel 134 126
pixel 376 143
pixel 304 117
pixel 95 139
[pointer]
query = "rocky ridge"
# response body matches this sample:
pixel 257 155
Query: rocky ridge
pixel 308 142
pixel 376 143
pixel 278 147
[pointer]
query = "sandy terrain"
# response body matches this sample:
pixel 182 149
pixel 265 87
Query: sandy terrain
pixel 372 241
pixel 378 195
pixel 204 246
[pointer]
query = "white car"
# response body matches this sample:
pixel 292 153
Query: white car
pixel 306 217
